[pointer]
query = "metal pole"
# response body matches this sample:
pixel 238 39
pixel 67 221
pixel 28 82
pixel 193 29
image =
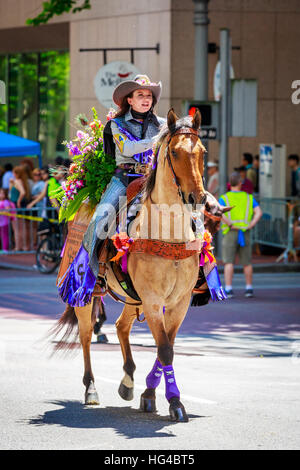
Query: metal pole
pixel 201 22
pixel 225 53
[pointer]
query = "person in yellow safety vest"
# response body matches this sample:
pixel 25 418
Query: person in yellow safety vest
pixel 237 223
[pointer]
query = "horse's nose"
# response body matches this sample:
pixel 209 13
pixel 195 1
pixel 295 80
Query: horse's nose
pixel 193 200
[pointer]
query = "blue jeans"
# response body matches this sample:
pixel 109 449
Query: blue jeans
pixel 103 217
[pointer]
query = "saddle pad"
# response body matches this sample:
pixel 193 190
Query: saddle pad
pixel 76 231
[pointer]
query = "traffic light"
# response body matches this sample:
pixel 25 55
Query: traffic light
pixel 209 117
pixel 205 110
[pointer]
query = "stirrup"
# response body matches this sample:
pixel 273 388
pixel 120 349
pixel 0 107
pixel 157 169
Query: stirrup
pixel 101 286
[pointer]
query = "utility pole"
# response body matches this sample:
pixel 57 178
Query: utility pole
pixel 201 22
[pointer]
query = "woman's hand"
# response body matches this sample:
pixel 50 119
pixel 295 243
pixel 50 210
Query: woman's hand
pixel 30 205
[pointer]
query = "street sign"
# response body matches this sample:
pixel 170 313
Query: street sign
pixel 208 134
pixel 244 108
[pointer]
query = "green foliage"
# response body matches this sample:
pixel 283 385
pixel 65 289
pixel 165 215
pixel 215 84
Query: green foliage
pixel 58 7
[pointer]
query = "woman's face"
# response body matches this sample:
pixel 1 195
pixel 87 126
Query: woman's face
pixel 2 195
pixel 44 175
pixel 141 100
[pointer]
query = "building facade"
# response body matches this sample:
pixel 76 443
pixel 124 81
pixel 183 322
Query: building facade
pixel 267 33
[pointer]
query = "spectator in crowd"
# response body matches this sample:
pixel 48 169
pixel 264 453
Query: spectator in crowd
pixel 256 168
pixel 213 180
pixel 20 195
pixel 247 162
pixel 8 175
pixel 28 173
pixel 67 163
pixel 5 205
pixel 293 163
pixel 27 161
pixel 247 185
pixel 41 196
pixel 237 223
pixel 59 161
pixel 37 189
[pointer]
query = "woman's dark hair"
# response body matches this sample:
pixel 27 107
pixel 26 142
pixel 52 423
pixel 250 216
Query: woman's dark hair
pixel 124 108
pixel 294 157
pixel 45 169
pixel 8 167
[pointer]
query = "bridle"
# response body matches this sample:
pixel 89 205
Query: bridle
pixel 183 130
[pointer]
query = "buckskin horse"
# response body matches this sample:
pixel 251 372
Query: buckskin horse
pixel 164 285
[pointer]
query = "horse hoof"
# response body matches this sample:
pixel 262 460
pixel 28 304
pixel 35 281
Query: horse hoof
pixel 125 392
pixel 91 396
pixel 148 405
pixel 102 339
pixel 177 411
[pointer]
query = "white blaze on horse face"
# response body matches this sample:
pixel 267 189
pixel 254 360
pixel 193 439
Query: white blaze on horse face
pixel 187 159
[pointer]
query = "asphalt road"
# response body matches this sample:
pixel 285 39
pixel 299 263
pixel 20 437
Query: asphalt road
pixel 237 365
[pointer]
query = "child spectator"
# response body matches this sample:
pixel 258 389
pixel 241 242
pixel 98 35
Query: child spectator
pixel 5 204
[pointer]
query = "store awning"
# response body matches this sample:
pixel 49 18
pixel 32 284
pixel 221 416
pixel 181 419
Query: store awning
pixel 15 146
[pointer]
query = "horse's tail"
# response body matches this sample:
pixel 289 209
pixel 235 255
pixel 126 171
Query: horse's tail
pixel 68 320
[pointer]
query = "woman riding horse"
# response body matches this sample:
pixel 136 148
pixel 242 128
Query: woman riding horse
pixel 127 136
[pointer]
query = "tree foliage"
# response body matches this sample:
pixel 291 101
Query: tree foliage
pixel 58 7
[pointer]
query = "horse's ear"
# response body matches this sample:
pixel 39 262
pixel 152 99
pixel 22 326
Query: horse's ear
pixel 227 209
pixel 171 119
pixel 197 119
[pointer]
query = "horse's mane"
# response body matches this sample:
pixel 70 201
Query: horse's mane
pixel 186 121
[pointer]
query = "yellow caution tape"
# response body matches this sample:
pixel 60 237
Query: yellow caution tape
pixel 28 217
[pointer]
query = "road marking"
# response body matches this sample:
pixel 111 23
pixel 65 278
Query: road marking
pixel 161 392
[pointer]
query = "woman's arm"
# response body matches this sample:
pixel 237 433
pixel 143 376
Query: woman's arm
pixel 39 197
pixel 127 147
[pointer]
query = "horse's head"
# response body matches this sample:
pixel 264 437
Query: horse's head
pixel 213 212
pixel 185 154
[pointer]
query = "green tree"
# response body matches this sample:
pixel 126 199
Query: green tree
pixel 58 7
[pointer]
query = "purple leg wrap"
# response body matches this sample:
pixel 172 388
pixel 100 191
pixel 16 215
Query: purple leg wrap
pixel 153 379
pixel 171 387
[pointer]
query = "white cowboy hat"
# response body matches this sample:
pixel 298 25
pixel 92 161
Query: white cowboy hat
pixel 139 82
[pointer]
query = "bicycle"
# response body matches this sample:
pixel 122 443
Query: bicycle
pixel 49 249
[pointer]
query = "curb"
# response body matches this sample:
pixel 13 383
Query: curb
pixel 18 267
pixel 268 268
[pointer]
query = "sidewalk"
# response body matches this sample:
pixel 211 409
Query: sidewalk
pixel 261 263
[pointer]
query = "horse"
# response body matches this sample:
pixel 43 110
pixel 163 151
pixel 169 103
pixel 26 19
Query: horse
pixel 164 285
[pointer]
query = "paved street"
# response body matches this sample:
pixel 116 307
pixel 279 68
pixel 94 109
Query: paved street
pixel 236 365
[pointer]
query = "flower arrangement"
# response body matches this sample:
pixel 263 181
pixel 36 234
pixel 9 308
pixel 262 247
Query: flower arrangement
pixel 91 169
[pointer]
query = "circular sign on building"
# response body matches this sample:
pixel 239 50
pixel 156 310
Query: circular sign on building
pixel 109 76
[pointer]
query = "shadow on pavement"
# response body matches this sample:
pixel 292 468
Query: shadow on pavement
pixel 126 421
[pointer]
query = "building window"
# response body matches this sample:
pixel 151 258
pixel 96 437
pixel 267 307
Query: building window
pixel 37 101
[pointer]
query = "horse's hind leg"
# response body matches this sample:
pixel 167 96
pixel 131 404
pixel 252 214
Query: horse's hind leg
pixel 85 317
pixel 124 325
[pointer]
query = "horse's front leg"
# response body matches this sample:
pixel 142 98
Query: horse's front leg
pixel 124 325
pixel 86 317
pixel 164 329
